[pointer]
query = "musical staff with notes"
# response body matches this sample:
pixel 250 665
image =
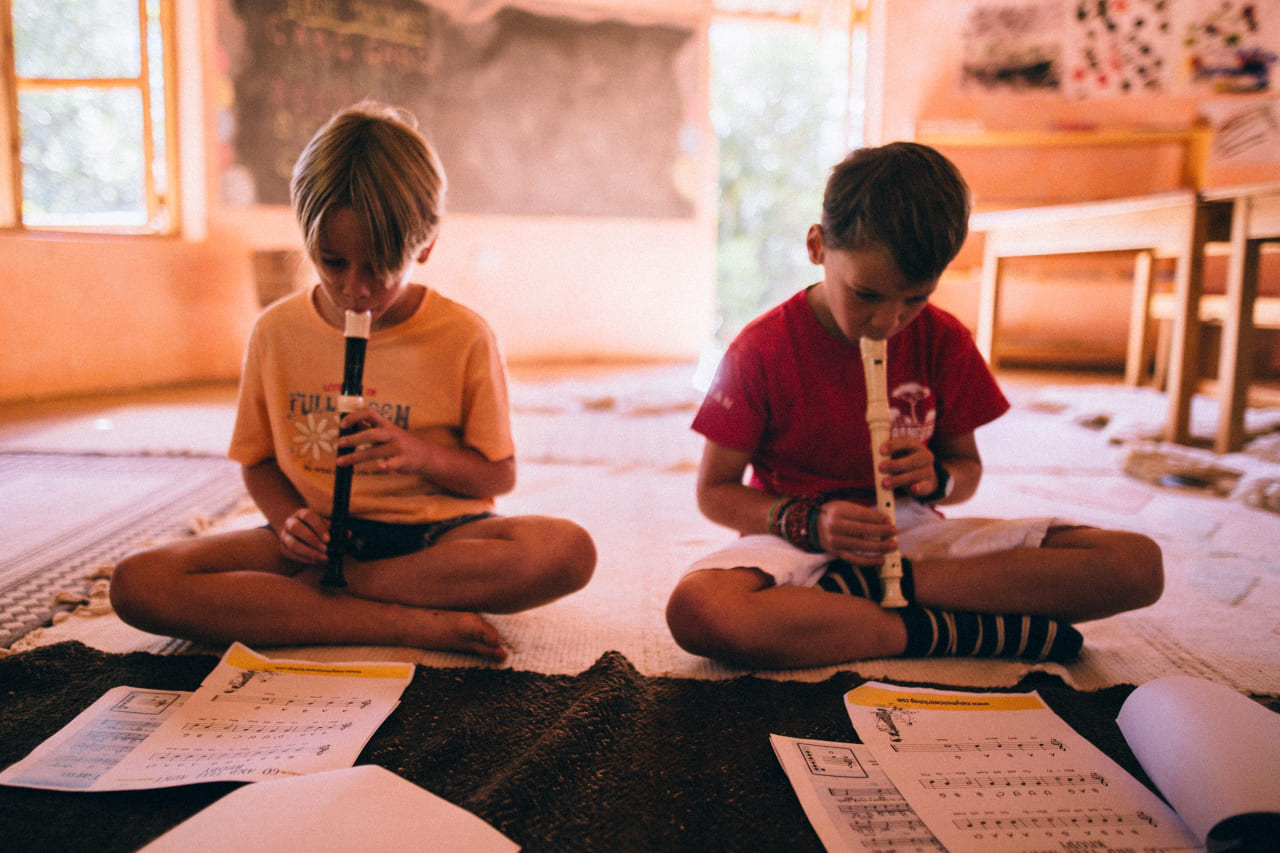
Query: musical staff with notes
pixel 986 746
pixel 848 798
pixel 252 718
pixel 1002 773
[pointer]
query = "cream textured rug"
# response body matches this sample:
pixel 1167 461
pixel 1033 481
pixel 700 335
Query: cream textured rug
pixel 66 514
pixel 614 452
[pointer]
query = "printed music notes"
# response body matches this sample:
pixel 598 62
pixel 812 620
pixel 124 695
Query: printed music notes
pixel 252 719
pixel 849 799
pixel 1000 772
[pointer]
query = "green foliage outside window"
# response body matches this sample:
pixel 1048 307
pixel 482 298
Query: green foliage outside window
pixel 778 108
pixel 81 113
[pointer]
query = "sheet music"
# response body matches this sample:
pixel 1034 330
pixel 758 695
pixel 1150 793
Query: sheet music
pixel 1213 752
pixel 252 719
pixel 364 808
pixel 1002 773
pixel 849 800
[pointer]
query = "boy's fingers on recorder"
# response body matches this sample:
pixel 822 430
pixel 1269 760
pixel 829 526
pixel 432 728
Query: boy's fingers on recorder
pixel 304 536
pixel 910 464
pixel 854 532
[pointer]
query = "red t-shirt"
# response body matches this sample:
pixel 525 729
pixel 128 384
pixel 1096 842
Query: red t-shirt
pixel 794 397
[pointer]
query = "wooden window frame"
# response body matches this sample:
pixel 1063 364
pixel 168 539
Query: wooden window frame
pixel 162 204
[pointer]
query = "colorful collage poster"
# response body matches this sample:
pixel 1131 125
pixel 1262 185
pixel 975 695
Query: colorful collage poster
pixel 1231 47
pixel 1014 46
pixel 1121 47
pixel 1117 48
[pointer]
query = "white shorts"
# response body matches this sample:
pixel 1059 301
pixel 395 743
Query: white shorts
pixel 922 534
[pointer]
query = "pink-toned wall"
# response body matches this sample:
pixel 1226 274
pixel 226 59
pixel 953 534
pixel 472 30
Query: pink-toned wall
pixel 1072 310
pixel 86 315
pixel 916 87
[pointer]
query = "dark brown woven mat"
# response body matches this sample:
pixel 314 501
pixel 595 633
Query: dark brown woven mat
pixel 606 760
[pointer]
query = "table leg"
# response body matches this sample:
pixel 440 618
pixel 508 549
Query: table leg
pixel 1139 347
pixel 988 303
pixel 1237 331
pixel 1184 359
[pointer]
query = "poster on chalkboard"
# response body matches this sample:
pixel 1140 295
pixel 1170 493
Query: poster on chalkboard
pixel 531 114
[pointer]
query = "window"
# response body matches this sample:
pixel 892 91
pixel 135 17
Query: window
pixel 88 99
pixel 787 103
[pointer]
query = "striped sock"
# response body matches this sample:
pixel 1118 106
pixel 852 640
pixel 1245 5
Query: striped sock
pixel 863 581
pixel 942 633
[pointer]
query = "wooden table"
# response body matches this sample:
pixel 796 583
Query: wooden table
pixel 1175 225
pixel 1255 219
pixel 1166 225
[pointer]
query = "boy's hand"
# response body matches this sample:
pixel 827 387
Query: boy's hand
pixel 304 537
pixel 860 534
pixel 380 441
pixel 909 465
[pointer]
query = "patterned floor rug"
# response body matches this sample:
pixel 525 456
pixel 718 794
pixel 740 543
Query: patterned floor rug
pixel 615 454
pixel 64 514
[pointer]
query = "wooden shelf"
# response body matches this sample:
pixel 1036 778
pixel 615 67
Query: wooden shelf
pixel 1194 141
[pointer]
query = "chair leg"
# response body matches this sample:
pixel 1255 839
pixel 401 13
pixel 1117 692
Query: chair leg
pixel 1139 345
pixel 1164 340
pixel 1184 351
pixel 988 304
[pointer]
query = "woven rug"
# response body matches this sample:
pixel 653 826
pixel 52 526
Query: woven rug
pixel 615 453
pixel 1217 618
pixel 66 514
pixel 606 759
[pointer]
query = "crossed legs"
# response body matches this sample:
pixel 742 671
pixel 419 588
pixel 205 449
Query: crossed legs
pixel 740 616
pixel 237 586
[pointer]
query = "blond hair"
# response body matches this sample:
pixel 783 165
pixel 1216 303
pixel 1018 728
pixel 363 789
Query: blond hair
pixel 371 158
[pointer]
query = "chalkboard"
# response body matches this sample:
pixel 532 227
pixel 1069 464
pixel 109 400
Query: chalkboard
pixel 531 114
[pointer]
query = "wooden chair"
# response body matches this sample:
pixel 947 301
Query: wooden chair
pixel 1255 220
pixel 1177 224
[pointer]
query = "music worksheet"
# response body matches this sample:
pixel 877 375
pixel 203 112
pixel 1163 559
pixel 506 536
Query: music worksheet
pixel 252 719
pixel 997 772
pixel 849 800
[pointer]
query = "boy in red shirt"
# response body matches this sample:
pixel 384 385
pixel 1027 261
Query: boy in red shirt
pixel 802 587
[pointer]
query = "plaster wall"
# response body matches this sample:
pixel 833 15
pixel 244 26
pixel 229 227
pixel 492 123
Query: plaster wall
pixel 88 314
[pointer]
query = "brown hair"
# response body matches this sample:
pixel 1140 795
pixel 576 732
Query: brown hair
pixel 903 197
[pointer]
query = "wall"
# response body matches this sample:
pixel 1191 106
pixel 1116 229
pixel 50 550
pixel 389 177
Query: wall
pixel 87 314
pixel 920 51
pixel 576 139
pixel 1073 311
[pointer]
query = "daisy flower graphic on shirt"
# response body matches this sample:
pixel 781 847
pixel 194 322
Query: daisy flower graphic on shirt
pixel 317 436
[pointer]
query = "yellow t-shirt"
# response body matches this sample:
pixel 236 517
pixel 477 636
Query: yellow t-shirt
pixel 438 374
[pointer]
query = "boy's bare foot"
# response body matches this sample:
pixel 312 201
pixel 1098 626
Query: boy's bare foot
pixel 454 631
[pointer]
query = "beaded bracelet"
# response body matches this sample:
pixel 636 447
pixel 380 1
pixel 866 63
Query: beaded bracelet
pixel 771 520
pixel 796 520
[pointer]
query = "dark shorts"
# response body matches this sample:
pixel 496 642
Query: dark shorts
pixel 379 540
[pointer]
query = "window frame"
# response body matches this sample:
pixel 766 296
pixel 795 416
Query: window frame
pixel 163 207
pixel 849 15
